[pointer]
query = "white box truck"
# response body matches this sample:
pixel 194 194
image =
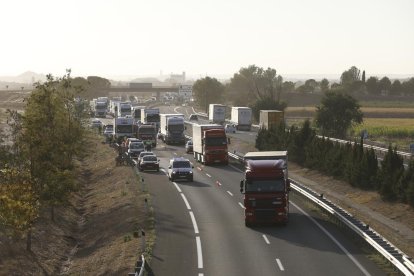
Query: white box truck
pixel 172 128
pixel 241 117
pixel 217 113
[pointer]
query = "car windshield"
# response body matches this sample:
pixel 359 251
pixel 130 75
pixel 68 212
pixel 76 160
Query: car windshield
pixel 146 153
pixel 149 158
pixel 271 185
pixel 136 146
pixel 181 164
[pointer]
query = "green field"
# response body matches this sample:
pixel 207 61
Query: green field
pixel 396 131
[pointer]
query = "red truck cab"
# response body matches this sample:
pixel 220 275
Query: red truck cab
pixel 210 144
pixel 215 146
pixel 266 192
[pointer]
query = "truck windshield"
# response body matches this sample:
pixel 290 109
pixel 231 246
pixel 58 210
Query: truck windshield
pixel 125 109
pixel 216 141
pixel 181 164
pixel 124 129
pixel 175 128
pixel 146 130
pixel 271 185
pixel 153 117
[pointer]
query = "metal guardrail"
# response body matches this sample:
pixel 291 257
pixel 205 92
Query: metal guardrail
pixel 396 257
pixel 405 155
pixel 139 267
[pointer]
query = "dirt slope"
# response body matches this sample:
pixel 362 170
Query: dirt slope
pixel 93 235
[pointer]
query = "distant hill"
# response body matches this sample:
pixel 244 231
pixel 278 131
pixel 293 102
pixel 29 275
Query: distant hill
pixel 27 77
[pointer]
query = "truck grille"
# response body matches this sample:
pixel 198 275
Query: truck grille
pixel 264 214
pixel 267 203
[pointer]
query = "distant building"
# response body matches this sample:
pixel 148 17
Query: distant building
pixel 177 78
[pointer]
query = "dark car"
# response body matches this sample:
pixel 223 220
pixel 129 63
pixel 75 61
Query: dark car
pixel 193 117
pixel 149 162
pixel 189 146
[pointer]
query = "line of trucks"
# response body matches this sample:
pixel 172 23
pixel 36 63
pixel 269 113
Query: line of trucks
pixel 266 183
pixel 241 117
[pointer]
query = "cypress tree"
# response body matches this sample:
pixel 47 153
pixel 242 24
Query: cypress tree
pixel 391 173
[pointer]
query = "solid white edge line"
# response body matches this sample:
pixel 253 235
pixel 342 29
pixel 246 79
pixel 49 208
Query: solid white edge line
pixel 334 240
pixel 199 253
pixel 279 263
pixel 200 274
pixel 265 238
pixel 194 222
pixel 241 205
pixel 185 201
pixel 229 193
pixel 163 171
pixel 178 188
pixel 237 169
pixel 208 175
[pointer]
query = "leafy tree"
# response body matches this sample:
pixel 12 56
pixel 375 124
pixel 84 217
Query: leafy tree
pixel 351 75
pixel 336 114
pixel 19 206
pixel 288 87
pixel 372 86
pixel 408 87
pixel 255 83
pixel 324 84
pixel 52 135
pixel 396 88
pixel 311 85
pixel 208 90
pixel 266 104
pixel 384 85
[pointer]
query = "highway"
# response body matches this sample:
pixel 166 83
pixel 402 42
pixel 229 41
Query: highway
pixel 200 231
pixel 200 228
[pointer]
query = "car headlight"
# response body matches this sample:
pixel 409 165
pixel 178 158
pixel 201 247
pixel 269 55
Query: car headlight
pixel 174 172
pixel 191 172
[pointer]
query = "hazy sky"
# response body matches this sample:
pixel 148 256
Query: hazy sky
pixel 133 37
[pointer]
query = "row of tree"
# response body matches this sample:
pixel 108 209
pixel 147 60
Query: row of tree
pixel 352 81
pixel 253 83
pixel 349 162
pixel 39 149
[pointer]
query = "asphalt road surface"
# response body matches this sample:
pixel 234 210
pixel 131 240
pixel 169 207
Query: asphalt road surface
pixel 200 231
